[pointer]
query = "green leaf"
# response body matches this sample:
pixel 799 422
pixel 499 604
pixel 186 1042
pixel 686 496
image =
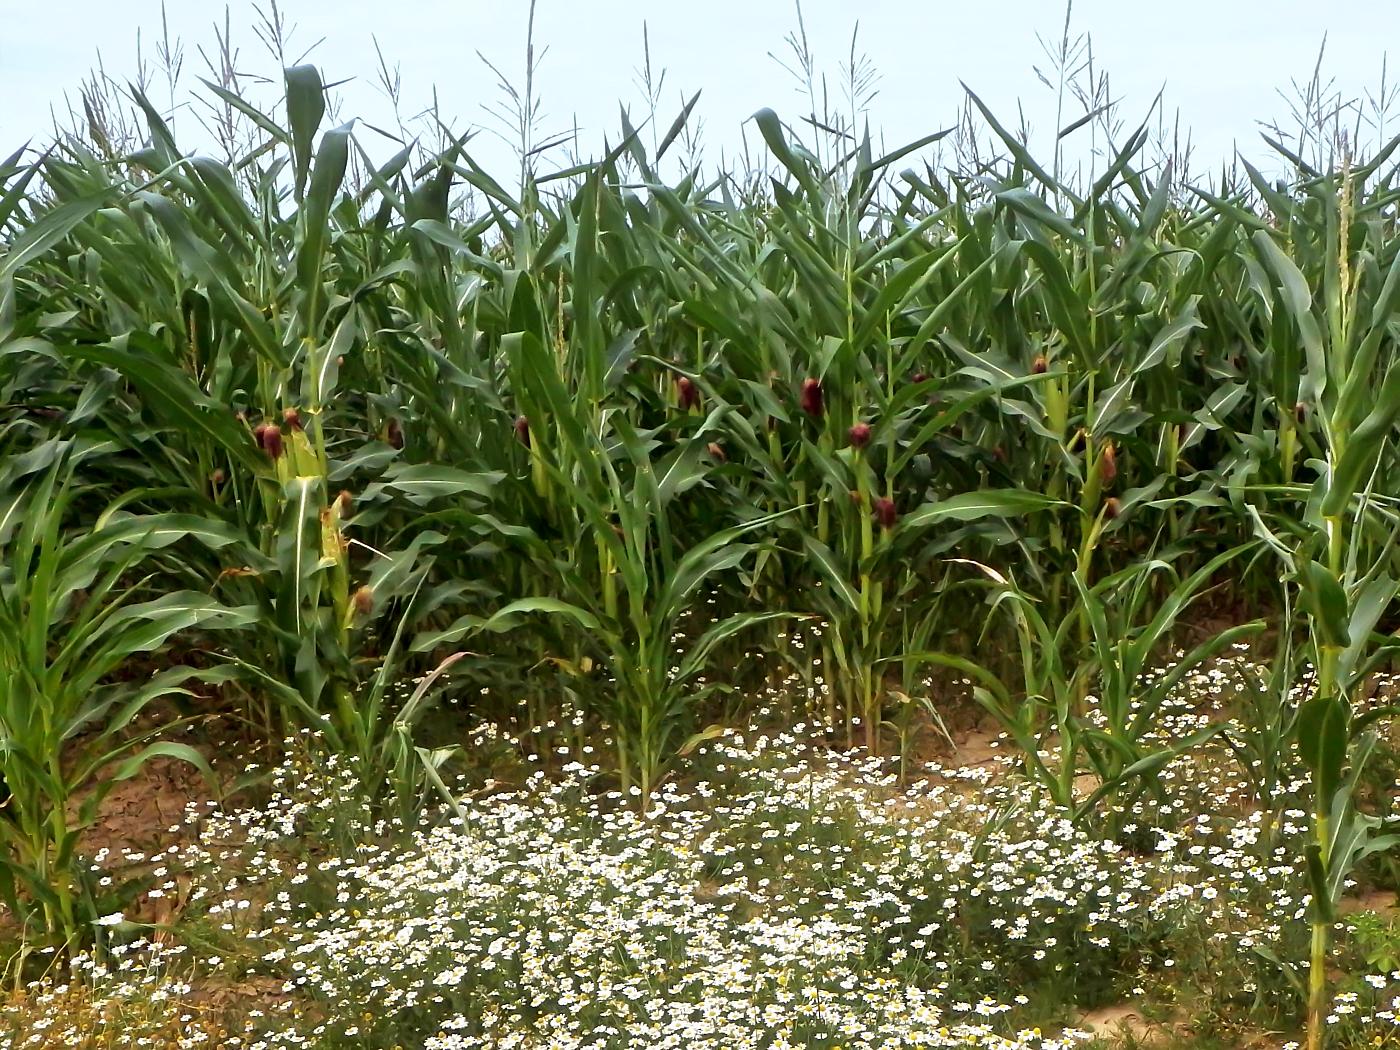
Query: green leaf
pixel 1367 606
pixel 831 574
pixel 1296 297
pixel 696 659
pixel 506 619
pixel 973 506
pixel 713 732
pixel 422 483
pixel 1364 447
pixel 41 235
pixel 771 128
pixel 133 764
pixel 331 161
pixel 1323 908
pixel 1035 210
pixel 1326 603
pixel 1322 743
pixel 1167 345
pixel 306 106
pixel 168 393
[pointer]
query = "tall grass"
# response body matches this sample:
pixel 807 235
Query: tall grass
pixel 595 437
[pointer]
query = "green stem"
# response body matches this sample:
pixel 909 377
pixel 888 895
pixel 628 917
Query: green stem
pixel 1317 985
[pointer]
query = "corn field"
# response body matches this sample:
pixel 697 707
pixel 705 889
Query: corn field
pixel 324 441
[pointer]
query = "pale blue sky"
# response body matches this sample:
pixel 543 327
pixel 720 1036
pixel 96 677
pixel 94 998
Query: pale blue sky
pixel 1220 61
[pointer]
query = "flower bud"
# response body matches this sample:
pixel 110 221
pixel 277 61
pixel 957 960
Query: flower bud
pixel 1040 366
pixel 885 512
pixel 394 433
pixel 859 435
pixel 716 451
pixel 218 477
pixel 363 600
pixel 687 393
pixel 1111 508
pixel 269 437
pixel 292 418
pixel 345 503
pixel 919 377
pixel 812 401
pixel 1108 464
pixel 522 430
pixel 1300 412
